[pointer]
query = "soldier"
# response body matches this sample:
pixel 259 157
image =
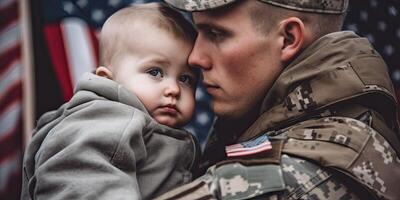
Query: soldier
pixel 305 111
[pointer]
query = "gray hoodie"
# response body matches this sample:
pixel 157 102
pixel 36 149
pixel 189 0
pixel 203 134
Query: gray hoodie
pixel 103 144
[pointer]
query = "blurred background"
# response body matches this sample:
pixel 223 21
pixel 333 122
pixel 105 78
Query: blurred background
pixel 45 45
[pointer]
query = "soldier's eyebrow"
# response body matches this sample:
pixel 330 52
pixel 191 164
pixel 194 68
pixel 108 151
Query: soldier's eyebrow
pixel 208 26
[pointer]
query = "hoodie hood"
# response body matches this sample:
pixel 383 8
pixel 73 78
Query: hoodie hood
pixel 105 88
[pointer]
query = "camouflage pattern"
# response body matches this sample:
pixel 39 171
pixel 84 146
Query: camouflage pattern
pixel 197 189
pixel 237 181
pixel 300 99
pixel 306 180
pixel 362 151
pixel 334 107
pixel 314 6
pixel 197 5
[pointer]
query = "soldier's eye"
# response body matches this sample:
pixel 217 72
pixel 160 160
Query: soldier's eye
pixel 187 80
pixel 214 34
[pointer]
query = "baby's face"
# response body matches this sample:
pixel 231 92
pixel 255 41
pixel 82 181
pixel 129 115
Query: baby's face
pixel 158 73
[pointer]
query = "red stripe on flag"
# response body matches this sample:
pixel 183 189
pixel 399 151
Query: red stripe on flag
pixel 8 57
pixel 10 153
pixel 238 149
pixel 11 141
pixel 249 152
pixel 8 15
pixel 58 57
pixel 12 188
pixel 11 134
pixel 95 44
pixel 11 94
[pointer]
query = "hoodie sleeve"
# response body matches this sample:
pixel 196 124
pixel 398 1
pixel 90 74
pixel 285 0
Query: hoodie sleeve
pixel 92 153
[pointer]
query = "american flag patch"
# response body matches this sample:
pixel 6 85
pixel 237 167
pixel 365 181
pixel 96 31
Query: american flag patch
pixel 254 146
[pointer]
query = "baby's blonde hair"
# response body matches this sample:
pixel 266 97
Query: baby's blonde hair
pixel 121 25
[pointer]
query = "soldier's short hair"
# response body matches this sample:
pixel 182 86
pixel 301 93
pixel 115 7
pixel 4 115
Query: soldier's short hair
pixel 267 15
pixel 321 16
pixel 118 25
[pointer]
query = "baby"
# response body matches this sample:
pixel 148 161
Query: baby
pixel 119 137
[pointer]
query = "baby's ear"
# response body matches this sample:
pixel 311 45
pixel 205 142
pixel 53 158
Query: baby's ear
pixel 104 72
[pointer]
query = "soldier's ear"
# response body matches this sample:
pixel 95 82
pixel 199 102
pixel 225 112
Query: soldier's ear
pixel 293 33
pixel 104 72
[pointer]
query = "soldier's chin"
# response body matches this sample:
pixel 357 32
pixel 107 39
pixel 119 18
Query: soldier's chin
pixel 224 111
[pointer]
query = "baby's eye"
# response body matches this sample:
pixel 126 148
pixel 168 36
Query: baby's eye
pixel 156 72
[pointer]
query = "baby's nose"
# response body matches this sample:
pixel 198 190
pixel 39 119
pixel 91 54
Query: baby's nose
pixel 172 89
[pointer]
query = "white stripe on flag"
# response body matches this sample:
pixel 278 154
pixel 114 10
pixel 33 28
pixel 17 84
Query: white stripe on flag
pixel 244 153
pixel 9 118
pixel 230 150
pixel 10 77
pixel 7 168
pixel 5 3
pixel 78 47
pixel 10 36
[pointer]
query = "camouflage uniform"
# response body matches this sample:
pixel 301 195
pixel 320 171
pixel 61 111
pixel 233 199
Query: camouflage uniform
pixel 315 6
pixel 331 118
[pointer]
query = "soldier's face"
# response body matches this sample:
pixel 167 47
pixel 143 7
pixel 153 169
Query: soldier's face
pixel 239 63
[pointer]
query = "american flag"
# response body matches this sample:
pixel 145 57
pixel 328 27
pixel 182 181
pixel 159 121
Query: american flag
pixel 251 147
pixel 70 29
pixel 10 100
